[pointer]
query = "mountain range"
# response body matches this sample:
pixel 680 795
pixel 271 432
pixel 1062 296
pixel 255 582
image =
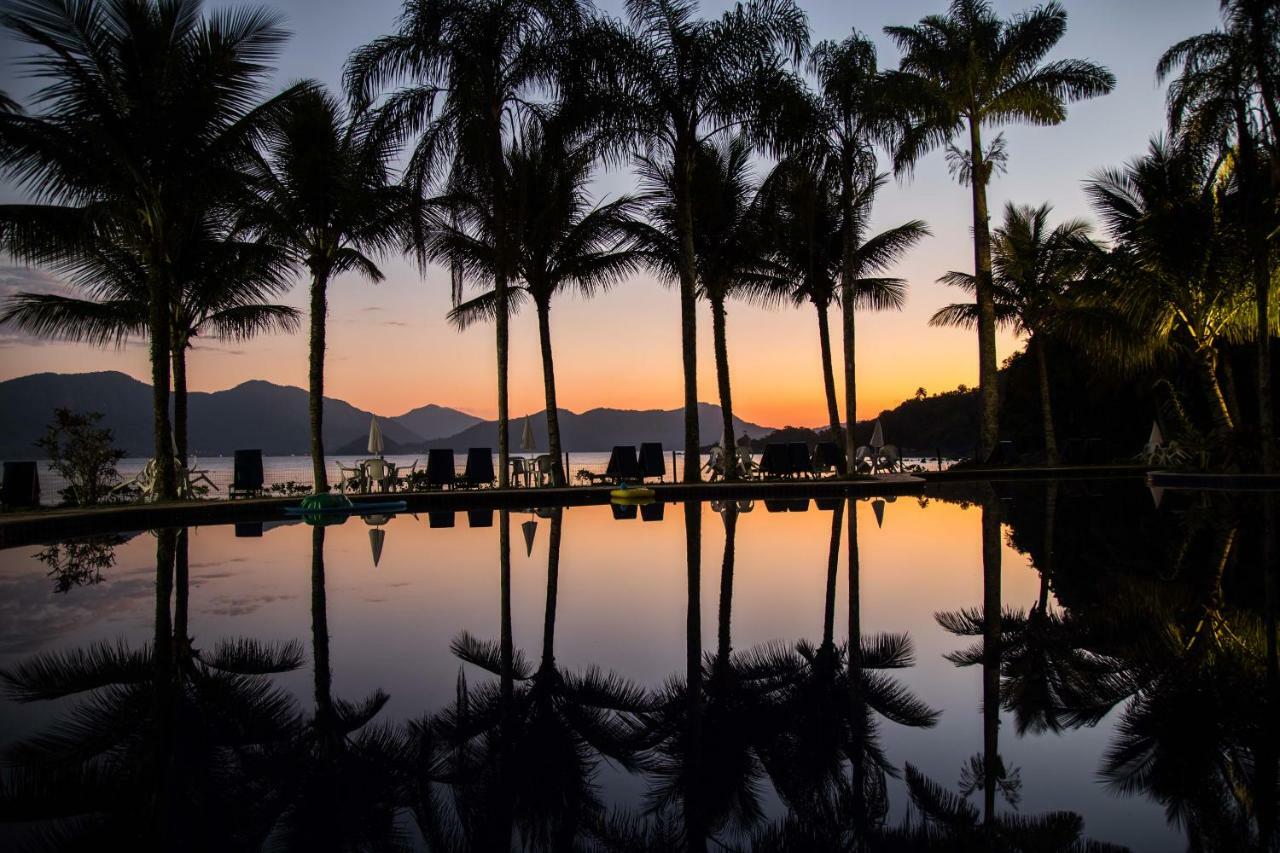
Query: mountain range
pixel 274 418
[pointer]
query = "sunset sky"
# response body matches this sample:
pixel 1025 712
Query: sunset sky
pixel 390 348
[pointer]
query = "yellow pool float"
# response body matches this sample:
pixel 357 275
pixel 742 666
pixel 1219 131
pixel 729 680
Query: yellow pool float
pixel 631 493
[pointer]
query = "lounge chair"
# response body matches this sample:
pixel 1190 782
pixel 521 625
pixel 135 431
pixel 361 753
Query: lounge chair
pixel 440 471
pixel 653 463
pixel 623 464
pixel 775 504
pixel 479 470
pixel 248 529
pixel 622 512
pixel 799 464
pixel 1003 454
pixel 797 504
pixel 652 512
pixel 440 518
pixel 828 458
pixel 21 484
pixel 246 477
pixel 774 461
pixel 479 518
pixel 828 504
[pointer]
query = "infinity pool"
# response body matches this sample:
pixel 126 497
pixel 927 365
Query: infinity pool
pixel 502 679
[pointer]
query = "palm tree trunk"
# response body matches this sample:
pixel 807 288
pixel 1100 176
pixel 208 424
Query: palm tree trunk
pixel 1229 385
pixel 315 377
pixel 1260 270
pixel 497 177
pixel 1050 523
pixel 158 328
pixel 181 590
pixel 724 638
pixel 504 453
pixel 857 715
pixel 1046 405
pixel 695 829
pixel 688 314
pixel 549 388
pixel 722 380
pixel 988 391
pixel 833 565
pixel 991 634
pixel 504 820
pixel 828 374
pixel 1207 362
pixel 553 591
pixel 848 296
pixel 179 355
pixel 325 722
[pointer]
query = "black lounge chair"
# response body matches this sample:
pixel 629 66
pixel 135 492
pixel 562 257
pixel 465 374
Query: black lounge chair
pixel 21 484
pixel 652 461
pixel 797 504
pixel 828 504
pixel 652 512
pixel 440 468
pixel 623 511
pixel 623 464
pixel 827 456
pixel 479 470
pixel 798 462
pixel 776 504
pixel 248 529
pixel 246 478
pixel 774 461
pixel 1002 454
pixel 479 518
pixel 440 518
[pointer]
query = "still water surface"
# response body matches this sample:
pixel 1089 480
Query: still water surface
pixel 1128 662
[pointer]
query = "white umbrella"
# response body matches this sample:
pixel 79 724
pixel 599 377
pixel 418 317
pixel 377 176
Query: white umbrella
pixel 526 436
pixel 1157 437
pixel 877 436
pixel 375 436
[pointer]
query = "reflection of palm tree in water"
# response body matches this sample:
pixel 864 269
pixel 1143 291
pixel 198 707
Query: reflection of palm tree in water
pixel 164 749
pixel 524 758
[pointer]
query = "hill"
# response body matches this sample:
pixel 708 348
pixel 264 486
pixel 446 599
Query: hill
pixel 601 429
pixel 252 414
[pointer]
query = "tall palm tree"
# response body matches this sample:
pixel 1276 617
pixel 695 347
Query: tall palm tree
pixel 1225 94
pixel 325 196
pixel 970 69
pixel 730 255
pixel 93 161
pixel 1173 272
pixel 1033 268
pixel 223 285
pixel 465 67
pixel 560 240
pixel 679 79
pixel 803 212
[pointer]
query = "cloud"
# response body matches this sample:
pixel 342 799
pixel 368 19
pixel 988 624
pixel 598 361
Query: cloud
pixel 17 279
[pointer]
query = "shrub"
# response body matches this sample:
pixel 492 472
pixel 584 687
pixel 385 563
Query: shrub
pixel 82 453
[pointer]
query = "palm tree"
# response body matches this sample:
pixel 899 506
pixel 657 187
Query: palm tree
pixel 680 79
pixel 730 255
pixel 1224 95
pixel 802 208
pixel 325 197
pixel 968 69
pixel 560 240
pixel 93 161
pixel 223 285
pixel 1173 271
pixel 1033 268
pixel 467 67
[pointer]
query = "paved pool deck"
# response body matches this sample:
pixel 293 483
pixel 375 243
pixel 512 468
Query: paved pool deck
pixel 48 525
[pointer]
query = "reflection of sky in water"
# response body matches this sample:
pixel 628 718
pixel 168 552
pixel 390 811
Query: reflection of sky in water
pixel 621 607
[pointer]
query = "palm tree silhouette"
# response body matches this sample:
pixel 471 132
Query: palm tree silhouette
pixel 163 742
pixel 679 79
pixel 561 240
pixel 327 200
pixel 466 68
pixel 729 253
pixel 1172 274
pixel 1225 95
pixel 97 168
pixel 223 285
pixel 970 68
pixel 1033 269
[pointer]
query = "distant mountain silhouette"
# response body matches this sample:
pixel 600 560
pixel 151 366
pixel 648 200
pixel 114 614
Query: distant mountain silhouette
pixel 601 429
pixel 432 421
pixel 253 414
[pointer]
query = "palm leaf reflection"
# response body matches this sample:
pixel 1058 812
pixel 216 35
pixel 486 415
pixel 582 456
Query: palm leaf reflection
pixel 158 748
pixel 523 754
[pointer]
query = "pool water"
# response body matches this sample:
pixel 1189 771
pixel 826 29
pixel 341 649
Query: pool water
pixel 495 679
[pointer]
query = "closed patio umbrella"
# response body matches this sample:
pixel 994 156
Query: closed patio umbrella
pixel 376 537
pixel 526 436
pixel 375 436
pixel 877 507
pixel 1157 437
pixel 877 436
pixel 528 528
